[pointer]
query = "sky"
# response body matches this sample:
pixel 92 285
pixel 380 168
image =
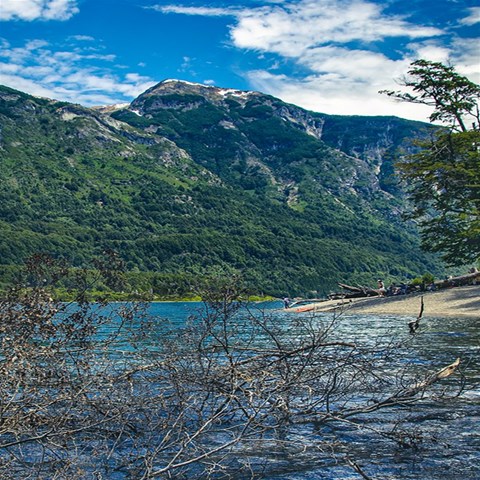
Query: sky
pixel 329 56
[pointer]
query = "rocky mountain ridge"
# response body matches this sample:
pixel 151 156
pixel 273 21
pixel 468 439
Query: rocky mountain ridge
pixel 189 178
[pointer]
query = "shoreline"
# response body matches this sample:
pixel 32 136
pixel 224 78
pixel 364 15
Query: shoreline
pixel 456 301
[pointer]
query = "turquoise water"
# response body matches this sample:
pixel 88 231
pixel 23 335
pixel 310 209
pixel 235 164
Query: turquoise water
pixel 442 436
pixel 449 432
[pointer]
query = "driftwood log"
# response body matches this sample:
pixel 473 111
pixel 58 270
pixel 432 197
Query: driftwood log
pixel 354 292
pixel 468 279
pixel 351 291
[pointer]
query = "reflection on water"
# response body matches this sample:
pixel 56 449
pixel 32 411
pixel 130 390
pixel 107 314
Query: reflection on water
pixel 447 433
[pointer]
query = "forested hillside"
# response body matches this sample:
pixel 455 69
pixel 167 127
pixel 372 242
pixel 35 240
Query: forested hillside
pixel 190 180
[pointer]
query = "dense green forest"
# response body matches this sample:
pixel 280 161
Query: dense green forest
pixel 190 181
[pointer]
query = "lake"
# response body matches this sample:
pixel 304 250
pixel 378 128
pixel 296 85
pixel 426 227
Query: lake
pixel 238 392
pixel 448 443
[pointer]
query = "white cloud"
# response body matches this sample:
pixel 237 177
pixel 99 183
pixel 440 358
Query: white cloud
pixel 463 53
pixel 75 76
pixel 83 38
pixel 431 50
pixel 335 95
pixel 318 35
pixel 346 82
pixel 293 28
pixel 473 18
pixel 203 11
pixel 331 41
pixel 465 57
pixel 37 9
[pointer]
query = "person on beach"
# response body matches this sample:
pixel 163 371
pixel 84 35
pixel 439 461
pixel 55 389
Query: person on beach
pixel 381 288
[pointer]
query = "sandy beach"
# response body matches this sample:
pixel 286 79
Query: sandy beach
pixel 458 301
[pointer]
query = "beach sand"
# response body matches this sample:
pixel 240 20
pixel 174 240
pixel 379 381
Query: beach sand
pixel 458 301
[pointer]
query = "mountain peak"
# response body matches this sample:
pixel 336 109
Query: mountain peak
pixel 183 82
pixel 214 94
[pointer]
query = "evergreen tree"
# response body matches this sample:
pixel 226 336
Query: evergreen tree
pixel 454 97
pixel 443 179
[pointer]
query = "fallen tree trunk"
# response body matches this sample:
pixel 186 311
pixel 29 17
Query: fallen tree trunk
pixel 342 295
pixel 468 279
pixel 351 288
pixel 361 291
pixel 354 292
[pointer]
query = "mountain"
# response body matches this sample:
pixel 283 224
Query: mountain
pixel 190 179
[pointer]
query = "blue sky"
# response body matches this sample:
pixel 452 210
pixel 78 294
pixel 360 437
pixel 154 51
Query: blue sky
pixel 329 56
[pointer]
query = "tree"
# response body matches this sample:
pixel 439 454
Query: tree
pixel 443 181
pixel 454 97
pixel 443 178
pixel 88 391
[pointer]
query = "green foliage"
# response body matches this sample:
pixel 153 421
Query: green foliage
pixel 453 96
pixel 444 185
pixel 426 279
pixel 444 177
pixel 247 192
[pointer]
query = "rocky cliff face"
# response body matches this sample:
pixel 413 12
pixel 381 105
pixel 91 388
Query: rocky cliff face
pixel 248 137
pixel 379 141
